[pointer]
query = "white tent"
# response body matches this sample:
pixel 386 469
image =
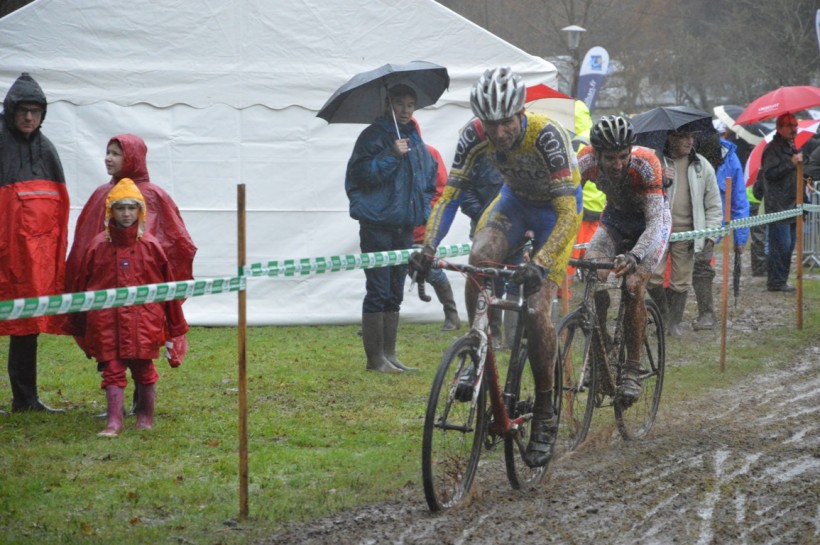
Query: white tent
pixel 227 93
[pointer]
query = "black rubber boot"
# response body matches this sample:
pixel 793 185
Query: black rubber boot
pixel 677 304
pixel 23 375
pixel 445 296
pixel 373 340
pixel 391 330
pixel 706 305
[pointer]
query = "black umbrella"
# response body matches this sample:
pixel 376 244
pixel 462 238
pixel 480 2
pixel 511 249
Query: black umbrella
pixel 363 98
pixel 752 134
pixel 652 126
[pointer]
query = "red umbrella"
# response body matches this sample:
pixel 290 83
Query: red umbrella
pixel 780 101
pixel 806 128
pixel 544 99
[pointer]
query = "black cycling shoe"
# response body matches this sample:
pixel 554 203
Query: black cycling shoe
pixel 466 383
pixel 542 441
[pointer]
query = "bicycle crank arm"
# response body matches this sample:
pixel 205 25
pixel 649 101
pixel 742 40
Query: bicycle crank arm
pixel 466 429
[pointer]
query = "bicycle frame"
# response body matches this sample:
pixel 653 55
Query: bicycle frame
pixel 458 424
pixel 604 354
pixel 486 300
pixel 593 362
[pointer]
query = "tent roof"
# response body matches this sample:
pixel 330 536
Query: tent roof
pixel 239 53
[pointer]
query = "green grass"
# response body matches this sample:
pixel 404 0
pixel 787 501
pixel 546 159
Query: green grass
pixel 323 434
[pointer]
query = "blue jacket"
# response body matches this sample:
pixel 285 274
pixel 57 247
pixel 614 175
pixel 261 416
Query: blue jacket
pixel 384 189
pixel 731 168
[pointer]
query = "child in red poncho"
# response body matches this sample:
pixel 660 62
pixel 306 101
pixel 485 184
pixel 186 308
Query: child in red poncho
pixel 126 337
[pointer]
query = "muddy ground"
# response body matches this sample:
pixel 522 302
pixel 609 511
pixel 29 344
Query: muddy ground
pixel 738 465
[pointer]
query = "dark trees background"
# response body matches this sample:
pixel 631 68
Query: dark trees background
pixel 695 52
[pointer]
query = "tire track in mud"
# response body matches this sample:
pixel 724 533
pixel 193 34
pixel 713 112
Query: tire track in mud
pixel 738 465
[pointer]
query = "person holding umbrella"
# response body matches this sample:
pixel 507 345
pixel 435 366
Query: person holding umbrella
pixel 540 193
pixel 390 182
pixel 776 185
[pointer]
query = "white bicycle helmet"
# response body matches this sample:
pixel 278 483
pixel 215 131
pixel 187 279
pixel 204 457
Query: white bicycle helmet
pixel 498 94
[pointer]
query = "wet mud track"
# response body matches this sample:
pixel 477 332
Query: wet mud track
pixel 738 465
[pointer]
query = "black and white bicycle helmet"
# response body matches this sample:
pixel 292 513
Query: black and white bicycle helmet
pixel 498 94
pixel 612 132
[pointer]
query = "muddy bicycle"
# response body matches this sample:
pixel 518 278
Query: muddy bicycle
pixel 458 424
pixel 592 361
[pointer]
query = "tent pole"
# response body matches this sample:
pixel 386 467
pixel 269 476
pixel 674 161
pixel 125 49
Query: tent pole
pixel 241 357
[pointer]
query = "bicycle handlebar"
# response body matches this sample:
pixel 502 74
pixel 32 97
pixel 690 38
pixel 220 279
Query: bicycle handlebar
pixel 592 264
pixel 499 271
pixel 502 271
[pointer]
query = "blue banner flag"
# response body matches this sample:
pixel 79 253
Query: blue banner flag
pixel 591 75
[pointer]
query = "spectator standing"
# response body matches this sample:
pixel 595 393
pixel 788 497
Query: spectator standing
pixel 126 156
pixel 757 233
pixel 34 231
pixel 721 155
pixel 437 278
pixel 126 337
pixel 390 182
pixel 695 204
pixel 776 184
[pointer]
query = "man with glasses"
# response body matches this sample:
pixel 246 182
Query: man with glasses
pixel 694 199
pixel 33 233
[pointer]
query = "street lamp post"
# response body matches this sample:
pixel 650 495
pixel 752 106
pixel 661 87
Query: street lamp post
pixel 573 41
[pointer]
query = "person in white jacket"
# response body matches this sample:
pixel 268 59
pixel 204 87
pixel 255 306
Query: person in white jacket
pixel 694 198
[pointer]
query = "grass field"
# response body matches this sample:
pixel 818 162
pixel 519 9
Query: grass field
pixel 323 434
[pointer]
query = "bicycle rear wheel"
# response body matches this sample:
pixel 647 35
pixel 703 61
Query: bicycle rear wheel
pixel 520 399
pixel 576 360
pixel 636 420
pixel 453 431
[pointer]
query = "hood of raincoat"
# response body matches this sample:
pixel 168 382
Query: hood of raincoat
pixel 134 152
pixel 24 89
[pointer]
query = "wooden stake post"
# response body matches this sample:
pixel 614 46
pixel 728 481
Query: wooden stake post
pixel 241 357
pixel 799 246
pixel 728 242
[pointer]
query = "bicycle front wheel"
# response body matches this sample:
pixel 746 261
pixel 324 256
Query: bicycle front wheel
pixel 520 399
pixel 453 431
pixel 636 420
pixel 576 360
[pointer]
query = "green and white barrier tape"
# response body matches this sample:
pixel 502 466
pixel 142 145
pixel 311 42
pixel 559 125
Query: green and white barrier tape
pixel 349 262
pixel 156 293
pixel 48 305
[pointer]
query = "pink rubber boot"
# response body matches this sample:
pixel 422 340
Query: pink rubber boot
pixel 145 406
pixel 114 395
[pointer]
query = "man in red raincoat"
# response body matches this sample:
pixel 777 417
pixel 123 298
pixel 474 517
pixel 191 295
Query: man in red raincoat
pixel 33 233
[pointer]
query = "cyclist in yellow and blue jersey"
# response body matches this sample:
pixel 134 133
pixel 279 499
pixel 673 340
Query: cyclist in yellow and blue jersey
pixel 540 194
